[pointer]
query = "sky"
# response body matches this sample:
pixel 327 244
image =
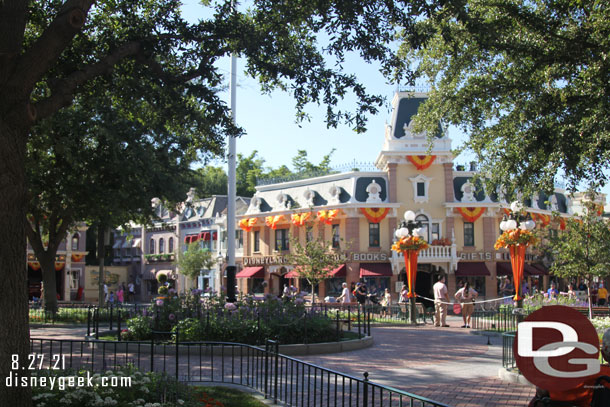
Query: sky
pixel 270 126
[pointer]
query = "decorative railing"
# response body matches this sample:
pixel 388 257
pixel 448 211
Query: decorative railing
pixel 281 378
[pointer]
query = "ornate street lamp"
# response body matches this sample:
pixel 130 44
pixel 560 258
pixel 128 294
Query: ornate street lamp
pixel 410 242
pixel 517 236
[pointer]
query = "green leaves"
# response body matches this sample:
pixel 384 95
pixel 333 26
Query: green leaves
pixel 194 259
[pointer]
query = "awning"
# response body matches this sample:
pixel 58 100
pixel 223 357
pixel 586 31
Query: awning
pixel 214 235
pixel 251 272
pixel 292 274
pixel 543 270
pixel 168 273
pixel 149 274
pixel 503 268
pixel 191 238
pixel 137 243
pixel 127 244
pixel 473 268
pixel 530 270
pixel 204 236
pixel 340 272
pixel 375 270
pixel 117 244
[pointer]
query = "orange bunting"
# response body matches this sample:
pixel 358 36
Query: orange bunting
pixel 327 216
pixel 248 223
pixel 76 258
pixel 34 265
pixel 59 265
pixel 421 162
pixel 471 214
pixel 375 215
pixel 299 219
pixel 562 224
pixel 272 221
pixel 543 219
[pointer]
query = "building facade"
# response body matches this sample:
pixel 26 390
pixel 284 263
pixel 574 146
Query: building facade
pixel 150 250
pixel 359 212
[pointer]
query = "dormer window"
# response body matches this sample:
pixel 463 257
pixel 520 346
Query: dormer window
pixel 421 186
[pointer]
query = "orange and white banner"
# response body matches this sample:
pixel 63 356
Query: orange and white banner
pixel 543 219
pixel 327 216
pixel 248 223
pixel 375 215
pixel 421 162
pixel 76 258
pixel 299 219
pixel 471 214
pixel 272 221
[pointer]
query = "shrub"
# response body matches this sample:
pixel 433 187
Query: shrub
pixel 163 290
pixel 162 278
pixel 139 328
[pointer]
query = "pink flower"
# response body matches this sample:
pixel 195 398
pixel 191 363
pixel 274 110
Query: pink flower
pixel 159 303
pixel 230 306
pixel 172 317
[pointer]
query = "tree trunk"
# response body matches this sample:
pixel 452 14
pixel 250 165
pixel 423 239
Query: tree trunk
pixel 14 329
pixel 101 254
pixel 47 264
pixel 589 281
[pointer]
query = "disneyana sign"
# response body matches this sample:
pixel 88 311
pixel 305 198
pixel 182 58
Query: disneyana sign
pixel 357 257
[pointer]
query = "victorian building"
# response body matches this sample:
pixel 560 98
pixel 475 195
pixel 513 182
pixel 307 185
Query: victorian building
pixel 359 211
pixel 150 250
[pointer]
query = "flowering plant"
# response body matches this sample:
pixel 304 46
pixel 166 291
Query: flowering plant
pixel 410 243
pixel 515 237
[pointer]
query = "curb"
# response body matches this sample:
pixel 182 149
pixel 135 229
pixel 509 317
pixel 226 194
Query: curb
pixel 253 392
pixel 288 350
pixel 513 377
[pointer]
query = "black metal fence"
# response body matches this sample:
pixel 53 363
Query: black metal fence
pixel 112 320
pixel 392 314
pixel 501 320
pixel 279 377
pixel 508 357
pixel 75 313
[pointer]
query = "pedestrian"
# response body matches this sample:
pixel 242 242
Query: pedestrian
pixel 120 294
pixel 361 293
pixel 440 294
pixel 111 297
pixel 602 295
pixel 131 288
pixel 105 292
pixel 386 301
pixel 466 296
pixel 552 292
pixel 402 298
pixel 571 292
pixel 345 296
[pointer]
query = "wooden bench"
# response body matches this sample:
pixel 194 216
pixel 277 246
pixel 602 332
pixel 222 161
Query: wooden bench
pixel 597 311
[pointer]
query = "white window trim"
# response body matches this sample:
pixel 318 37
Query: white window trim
pixel 426 181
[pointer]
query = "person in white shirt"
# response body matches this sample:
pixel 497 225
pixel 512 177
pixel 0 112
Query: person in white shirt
pixel 440 309
pixel 131 291
pixel 346 296
pixel 466 296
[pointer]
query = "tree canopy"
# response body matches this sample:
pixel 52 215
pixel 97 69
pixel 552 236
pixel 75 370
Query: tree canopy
pixel 528 82
pixel 193 260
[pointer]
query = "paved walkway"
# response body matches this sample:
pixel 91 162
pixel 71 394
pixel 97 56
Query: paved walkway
pixel 448 365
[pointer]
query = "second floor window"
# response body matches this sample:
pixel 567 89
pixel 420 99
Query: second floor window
pixel 161 246
pixel 151 246
pixel 281 239
pixel 373 234
pixel 257 241
pixel 75 242
pixel 239 236
pixel 336 237
pixel 468 234
pixel 170 245
pixel 421 189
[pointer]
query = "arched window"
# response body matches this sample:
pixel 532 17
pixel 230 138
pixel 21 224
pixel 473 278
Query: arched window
pixel 170 245
pixel 75 239
pixel 151 246
pixel 423 219
pixel 161 246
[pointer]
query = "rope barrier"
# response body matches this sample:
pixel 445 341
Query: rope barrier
pixel 451 303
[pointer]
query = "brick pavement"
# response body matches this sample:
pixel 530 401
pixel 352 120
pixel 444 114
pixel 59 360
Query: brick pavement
pixel 448 365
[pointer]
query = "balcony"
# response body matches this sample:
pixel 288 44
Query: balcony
pixel 433 254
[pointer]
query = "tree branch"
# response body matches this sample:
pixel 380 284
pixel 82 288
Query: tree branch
pixel 37 60
pixel 62 93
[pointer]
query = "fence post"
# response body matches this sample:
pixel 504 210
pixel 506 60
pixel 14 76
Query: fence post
pixel 305 327
pixel 349 317
pixel 89 321
pixel 365 392
pixel 152 354
pixel 177 350
pixel 337 326
pixel 369 322
pixel 266 368
pixel 97 323
pixel 359 326
pixel 276 373
pixel 111 307
pixel 118 325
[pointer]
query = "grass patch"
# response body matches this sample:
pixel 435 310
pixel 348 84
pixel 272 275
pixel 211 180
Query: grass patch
pixel 225 397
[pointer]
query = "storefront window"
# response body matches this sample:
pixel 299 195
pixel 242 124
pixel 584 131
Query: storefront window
pixel 468 234
pixel 377 285
pixel 334 286
pixel 257 241
pixel 373 234
pixel 478 283
pixel 336 237
pixel 306 287
pixel 281 239
pixel 257 286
